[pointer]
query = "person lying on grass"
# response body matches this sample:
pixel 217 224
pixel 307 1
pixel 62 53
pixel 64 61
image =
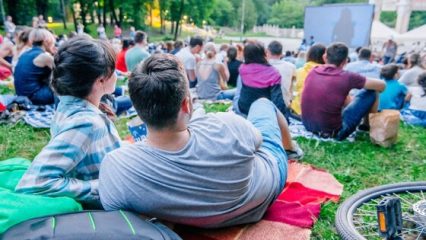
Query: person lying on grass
pixel 81 134
pixel 212 170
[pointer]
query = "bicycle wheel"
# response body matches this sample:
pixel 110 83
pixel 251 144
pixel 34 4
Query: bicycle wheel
pixel 356 218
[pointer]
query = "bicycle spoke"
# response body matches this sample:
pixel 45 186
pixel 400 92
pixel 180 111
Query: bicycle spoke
pixel 417 196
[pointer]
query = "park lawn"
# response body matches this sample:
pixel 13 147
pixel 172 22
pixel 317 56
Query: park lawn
pixel 357 165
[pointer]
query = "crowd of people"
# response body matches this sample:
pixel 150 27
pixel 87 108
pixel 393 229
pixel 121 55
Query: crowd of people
pixel 206 170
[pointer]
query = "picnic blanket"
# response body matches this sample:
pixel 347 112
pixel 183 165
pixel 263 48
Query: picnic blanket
pixel 409 118
pixel 40 116
pixel 291 216
pixel 16 207
pixel 298 130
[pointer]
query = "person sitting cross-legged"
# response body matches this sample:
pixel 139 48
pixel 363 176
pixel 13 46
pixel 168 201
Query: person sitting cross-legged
pixel 211 170
pixel 327 110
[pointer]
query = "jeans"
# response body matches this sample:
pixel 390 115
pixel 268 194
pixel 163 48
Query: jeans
pixel 387 59
pixel 123 103
pixel 43 96
pixel 355 112
pixel 226 94
pixel 263 115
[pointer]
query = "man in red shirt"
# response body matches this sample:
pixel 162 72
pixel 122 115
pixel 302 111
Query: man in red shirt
pixel 327 109
pixel 121 62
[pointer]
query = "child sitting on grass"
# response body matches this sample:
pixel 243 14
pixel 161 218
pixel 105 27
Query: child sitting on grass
pixel 395 93
pixel 415 112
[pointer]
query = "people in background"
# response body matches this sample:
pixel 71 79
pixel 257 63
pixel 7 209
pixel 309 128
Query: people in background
pixel 137 53
pixel 233 66
pixel 415 68
pixel 364 65
pixel 189 60
pixel 212 77
pixel 389 51
pixel 177 47
pixel 327 110
pixel 394 96
pixel 32 72
pixel 314 58
pixel 121 56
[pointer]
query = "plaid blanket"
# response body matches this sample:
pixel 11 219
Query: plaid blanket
pixel 298 130
pixel 40 116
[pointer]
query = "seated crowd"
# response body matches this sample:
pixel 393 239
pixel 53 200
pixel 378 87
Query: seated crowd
pixel 206 170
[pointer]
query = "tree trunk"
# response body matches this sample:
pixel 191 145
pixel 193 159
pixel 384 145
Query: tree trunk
pixel 83 14
pixel 99 13
pixel 150 14
pixel 64 13
pixel 12 11
pixel 113 15
pixel 182 5
pixel 120 14
pixel 172 27
pixel 104 13
pixel 92 14
pixel 74 19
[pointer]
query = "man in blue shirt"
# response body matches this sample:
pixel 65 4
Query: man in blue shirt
pixel 364 66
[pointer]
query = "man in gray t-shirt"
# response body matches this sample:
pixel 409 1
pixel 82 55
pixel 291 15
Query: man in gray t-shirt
pixel 212 170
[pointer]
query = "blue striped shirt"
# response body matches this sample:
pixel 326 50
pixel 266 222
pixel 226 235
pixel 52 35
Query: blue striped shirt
pixel 81 135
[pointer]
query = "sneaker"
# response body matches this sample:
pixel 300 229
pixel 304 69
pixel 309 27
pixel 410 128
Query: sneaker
pixel 296 153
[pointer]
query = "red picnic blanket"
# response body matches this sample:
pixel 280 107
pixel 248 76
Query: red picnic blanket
pixel 291 216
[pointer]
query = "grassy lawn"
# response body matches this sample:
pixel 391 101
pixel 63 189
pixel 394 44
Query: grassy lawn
pixel 357 165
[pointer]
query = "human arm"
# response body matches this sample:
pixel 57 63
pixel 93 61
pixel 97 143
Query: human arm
pixel 278 99
pixel 44 60
pixel 223 75
pixel 374 84
pixel 53 171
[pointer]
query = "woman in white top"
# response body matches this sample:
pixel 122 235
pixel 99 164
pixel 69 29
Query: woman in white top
pixel 409 77
pixel 415 113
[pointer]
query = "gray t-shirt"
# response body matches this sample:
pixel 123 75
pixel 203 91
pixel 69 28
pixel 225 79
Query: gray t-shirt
pixel 220 178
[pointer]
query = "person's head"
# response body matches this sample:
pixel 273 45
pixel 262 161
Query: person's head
pixel 358 49
pixel 40 17
pixel 72 34
pixel 159 92
pixel 23 37
pixel 255 53
pixel 96 57
pixel 364 54
pixel 125 43
pixel 178 44
pixel 337 54
pixel 9 18
pixel 301 55
pixel 41 37
pixel 232 53
pixel 421 80
pixel 132 29
pixel 140 37
pixel 196 44
pixel 210 50
pixel 275 48
pixel 414 60
pixel 224 47
pixel 389 72
pixel 288 54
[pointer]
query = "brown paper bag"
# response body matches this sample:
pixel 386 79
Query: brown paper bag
pixel 384 127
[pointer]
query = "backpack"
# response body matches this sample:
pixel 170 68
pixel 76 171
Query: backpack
pixel 92 225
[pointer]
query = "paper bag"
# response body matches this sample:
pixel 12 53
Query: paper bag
pixel 384 127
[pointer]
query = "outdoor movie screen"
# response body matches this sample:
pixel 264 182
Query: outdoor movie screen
pixel 348 23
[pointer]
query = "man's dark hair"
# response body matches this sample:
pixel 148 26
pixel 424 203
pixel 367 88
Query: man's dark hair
pixel 415 60
pixel 194 41
pixel 364 54
pixel 275 48
pixel 232 53
pixel 389 71
pixel 358 49
pixel 337 53
pixel 78 63
pixel 140 37
pixel 126 43
pixel 157 88
pixel 254 52
pixel 315 54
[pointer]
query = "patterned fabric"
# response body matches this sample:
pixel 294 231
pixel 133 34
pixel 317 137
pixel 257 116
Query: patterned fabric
pixel 38 118
pixel 81 135
pixel 291 216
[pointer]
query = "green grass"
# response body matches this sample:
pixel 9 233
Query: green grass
pixel 357 165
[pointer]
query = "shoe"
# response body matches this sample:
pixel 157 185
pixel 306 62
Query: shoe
pixel 364 128
pixel 296 153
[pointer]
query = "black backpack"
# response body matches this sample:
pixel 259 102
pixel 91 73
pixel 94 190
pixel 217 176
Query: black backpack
pixel 94 225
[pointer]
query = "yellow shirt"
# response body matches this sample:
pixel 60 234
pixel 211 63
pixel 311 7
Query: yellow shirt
pixel 301 75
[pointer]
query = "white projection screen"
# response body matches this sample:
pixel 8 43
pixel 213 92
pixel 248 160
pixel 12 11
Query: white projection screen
pixel 348 23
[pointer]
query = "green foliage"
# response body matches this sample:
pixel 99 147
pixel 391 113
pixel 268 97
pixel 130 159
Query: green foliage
pixel 388 18
pixel 250 15
pixel 417 19
pixel 223 14
pixel 288 13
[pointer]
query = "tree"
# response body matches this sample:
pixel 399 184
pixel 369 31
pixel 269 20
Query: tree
pixel 287 13
pixel 250 15
pixel 223 13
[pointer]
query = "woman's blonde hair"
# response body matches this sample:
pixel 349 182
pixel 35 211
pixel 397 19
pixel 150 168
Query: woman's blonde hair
pixel 210 50
pixel 39 35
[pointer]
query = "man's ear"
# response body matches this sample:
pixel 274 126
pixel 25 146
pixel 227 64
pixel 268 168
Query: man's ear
pixel 324 57
pixel 186 105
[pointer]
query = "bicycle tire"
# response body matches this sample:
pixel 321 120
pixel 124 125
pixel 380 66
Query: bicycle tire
pixel 343 221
